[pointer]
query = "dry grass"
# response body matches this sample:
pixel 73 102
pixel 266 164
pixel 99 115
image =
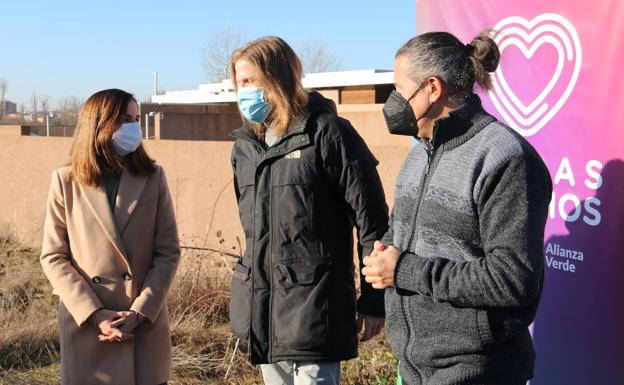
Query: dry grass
pixel 203 348
pixel 29 337
pixel 198 306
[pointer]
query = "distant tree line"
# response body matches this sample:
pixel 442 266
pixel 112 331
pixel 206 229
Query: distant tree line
pixel 64 113
pixel 315 54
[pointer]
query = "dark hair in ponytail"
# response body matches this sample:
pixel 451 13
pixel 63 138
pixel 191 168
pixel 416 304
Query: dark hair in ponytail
pixel 458 65
pixel 484 55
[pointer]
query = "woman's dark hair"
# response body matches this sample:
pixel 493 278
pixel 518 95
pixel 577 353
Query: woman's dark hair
pixel 458 65
pixel 92 152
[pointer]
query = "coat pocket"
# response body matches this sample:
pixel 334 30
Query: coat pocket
pixel 292 212
pixel 240 303
pixel 300 308
pixel 442 331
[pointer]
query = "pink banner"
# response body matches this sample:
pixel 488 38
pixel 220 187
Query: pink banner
pixel 560 85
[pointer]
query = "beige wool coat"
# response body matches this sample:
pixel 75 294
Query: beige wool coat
pixel 118 259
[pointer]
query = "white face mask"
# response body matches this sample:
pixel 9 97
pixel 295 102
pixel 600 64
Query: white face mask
pixel 127 138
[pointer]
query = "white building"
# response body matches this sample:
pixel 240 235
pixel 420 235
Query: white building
pixel 344 87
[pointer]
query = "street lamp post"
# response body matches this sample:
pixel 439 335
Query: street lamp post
pixel 155 90
pixel 146 126
pixel 49 116
pixel 147 116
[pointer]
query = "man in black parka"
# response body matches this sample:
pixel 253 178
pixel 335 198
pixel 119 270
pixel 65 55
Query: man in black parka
pixel 303 179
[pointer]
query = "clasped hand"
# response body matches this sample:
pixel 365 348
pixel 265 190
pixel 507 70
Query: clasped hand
pixel 115 326
pixel 379 266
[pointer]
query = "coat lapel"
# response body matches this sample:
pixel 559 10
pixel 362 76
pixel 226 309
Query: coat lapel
pixel 98 203
pixel 130 190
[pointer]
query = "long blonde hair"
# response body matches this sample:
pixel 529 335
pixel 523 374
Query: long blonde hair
pixel 92 152
pixel 280 72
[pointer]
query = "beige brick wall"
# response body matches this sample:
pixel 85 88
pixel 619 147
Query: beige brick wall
pixel 199 175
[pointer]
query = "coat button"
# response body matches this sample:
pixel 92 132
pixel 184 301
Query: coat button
pixel 303 139
pixel 96 279
pixel 127 276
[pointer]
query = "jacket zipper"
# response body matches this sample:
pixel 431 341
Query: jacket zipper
pixel 425 179
pixel 280 153
pixel 429 149
pixel 271 241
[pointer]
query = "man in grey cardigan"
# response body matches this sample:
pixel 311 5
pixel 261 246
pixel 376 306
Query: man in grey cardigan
pixel 463 260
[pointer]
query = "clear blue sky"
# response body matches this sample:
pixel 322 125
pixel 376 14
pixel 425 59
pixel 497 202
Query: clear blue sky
pixel 75 48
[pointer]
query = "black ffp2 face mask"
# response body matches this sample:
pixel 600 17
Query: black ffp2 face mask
pixel 399 115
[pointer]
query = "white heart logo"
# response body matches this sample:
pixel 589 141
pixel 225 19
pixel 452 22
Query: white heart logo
pixel 529 36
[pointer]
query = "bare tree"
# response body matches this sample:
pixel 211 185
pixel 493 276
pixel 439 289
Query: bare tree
pixel 68 108
pixel 4 87
pixel 217 52
pixel 34 102
pixel 44 101
pixel 316 56
pixel 22 109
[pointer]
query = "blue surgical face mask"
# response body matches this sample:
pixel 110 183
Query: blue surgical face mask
pixel 127 138
pixel 252 104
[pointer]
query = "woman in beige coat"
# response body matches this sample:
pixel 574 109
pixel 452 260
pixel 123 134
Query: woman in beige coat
pixel 110 250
